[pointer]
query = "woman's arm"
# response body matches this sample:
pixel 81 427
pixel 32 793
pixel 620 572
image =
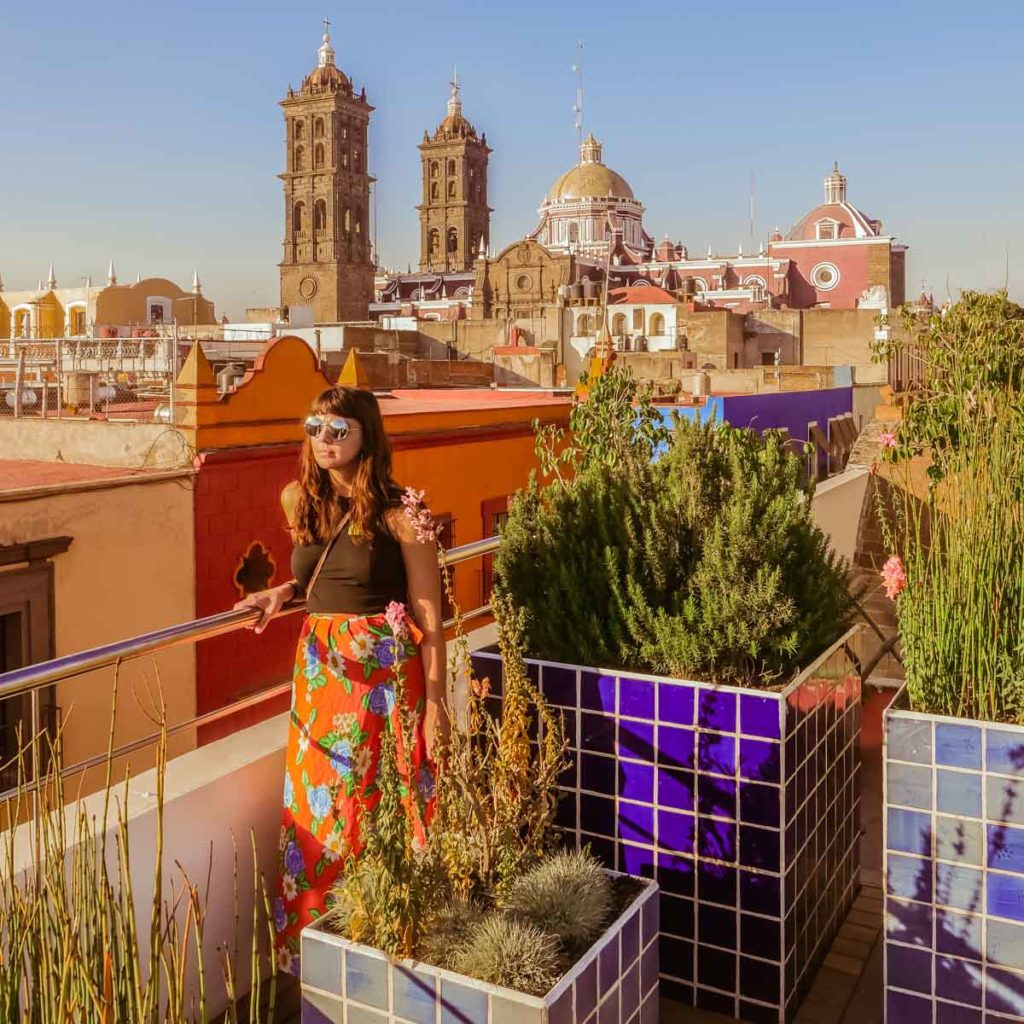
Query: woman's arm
pixel 424 577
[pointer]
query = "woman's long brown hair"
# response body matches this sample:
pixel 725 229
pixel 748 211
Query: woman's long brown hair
pixel 373 489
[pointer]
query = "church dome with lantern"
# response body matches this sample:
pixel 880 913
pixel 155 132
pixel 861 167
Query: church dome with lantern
pixel 588 205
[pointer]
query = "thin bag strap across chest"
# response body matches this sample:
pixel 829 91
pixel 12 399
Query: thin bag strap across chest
pixel 324 554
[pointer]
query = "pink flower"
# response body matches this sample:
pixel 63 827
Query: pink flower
pixel 894 577
pixel 419 515
pixel 394 614
pixel 887 439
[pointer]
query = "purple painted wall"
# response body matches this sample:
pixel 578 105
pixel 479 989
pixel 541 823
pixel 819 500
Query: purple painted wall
pixel 789 410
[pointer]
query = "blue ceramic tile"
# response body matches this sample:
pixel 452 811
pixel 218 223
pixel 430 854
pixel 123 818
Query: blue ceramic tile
pixel 958 792
pixel 759 980
pixel 568 777
pixel 597 815
pixel 908 739
pixel 676 746
pixel 909 785
pixel 629 939
pixel 561 1011
pixel 1006 848
pixel 716 753
pixel 904 1008
pixel 648 968
pixel 597 733
pixel 460 1003
pixel 1005 751
pixel 636 860
pixel 910 877
pixel 675 831
pixel 715 1002
pixel 608 1013
pixel 675 703
pixel 636 781
pixel 676 789
pixel 366 979
pixel 650 921
pixel 909 831
pixel 608 967
pixel 1004 992
pixel 716 883
pixel 760 760
pixel 759 804
pixel 716 926
pixel 908 922
pixel 958 839
pixel 949 1013
pixel 636 697
pixel 598 773
pixel 716 839
pixel 675 874
pixel 759 716
pixel 716 968
pixel 716 796
pixel 636 740
pixel 1005 896
pixel 716 709
pixel 678 916
pixel 1005 945
pixel 636 823
pixel 911 967
pixel 760 894
pixel 1004 800
pixel 761 938
pixel 586 991
pixel 958 934
pixel 958 746
pixel 676 957
pixel 558 684
pixel 318 1010
pixel 759 848
pixel 414 995
pixel 321 965
pixel 630 992
pixel 958 886
pixel 957 980
pixel 597 691
pixel 565 813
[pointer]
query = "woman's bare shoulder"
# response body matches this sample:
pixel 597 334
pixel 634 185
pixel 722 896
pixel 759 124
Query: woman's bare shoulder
pixel 290 500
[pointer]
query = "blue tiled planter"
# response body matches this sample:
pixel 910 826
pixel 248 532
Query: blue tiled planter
pixel 616 982
pixel 743 804
pixel 954 868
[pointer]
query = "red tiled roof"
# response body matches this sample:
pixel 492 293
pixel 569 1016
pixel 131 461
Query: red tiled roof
pixel 421 400
pixel 16 474
pixel 645 294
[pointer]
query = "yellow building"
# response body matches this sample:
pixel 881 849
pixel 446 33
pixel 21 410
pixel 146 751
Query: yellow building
pixel 110 310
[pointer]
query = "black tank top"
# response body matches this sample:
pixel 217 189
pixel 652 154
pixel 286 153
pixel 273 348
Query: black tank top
pixel 360 577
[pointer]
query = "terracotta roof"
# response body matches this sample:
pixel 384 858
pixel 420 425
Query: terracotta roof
pixel 646 294
pixel 16 474
pixel 420 400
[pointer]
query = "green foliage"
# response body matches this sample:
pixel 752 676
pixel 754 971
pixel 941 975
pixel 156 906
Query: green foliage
pixel 704 562
pixel 447 929
pixel 504 951
pixel 961 539
pixel 567 894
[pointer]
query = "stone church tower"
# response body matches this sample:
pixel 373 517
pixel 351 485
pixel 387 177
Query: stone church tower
pixel 327 253
pixel 454 216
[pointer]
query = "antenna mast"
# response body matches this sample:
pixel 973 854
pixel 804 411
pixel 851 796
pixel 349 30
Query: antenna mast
pixel 577 70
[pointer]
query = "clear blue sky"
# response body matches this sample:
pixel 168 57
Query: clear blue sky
pixel 151 133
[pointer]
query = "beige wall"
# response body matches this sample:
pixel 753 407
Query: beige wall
pixel 130 569
pixel 841 337
pixel 837 507
pixel 94 443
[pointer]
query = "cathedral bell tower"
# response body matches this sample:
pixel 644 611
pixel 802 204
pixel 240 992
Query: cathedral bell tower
pixel 327 260
pixel 455 219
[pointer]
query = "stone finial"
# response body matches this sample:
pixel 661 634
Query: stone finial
pixel 51 280
pixel 325 55
pixel 111 275
pixel 197 286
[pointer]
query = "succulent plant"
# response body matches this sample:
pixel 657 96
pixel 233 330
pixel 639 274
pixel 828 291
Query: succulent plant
pixel 515 954
pixel 446 930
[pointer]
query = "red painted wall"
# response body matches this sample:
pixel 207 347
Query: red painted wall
pixel 851 261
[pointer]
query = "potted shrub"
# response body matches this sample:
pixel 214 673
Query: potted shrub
pixel 488 922
pixel 689 619
pixel 953 476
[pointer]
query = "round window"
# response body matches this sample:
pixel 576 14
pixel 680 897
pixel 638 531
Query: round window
pixel 523 282
pixel 308 287
pixel 825 276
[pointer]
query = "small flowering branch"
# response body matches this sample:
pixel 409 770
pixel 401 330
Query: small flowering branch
pixel 894 577
pixel 419 516
pixel 395 615
pixel 887 439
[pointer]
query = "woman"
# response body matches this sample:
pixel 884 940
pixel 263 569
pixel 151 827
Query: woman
pixel 365 559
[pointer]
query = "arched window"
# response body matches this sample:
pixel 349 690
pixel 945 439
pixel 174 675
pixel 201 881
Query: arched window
pixel 318 156
pixel 358 219
pixel 451 167
pixel 298 216
pixel 348 220
pixel 451 189
pixel 320 216
pixel 479 192
pixel 300 158
pixel 574 232
pixel 619 324
pixel 585 326
pixel 318 128
pixel 298 129
pixel 453 240
pixel 435 191
pixel 355 160
pixel 344 159
pixel 656 326
pixel 434 168
pixel 638 319
pixel 433 241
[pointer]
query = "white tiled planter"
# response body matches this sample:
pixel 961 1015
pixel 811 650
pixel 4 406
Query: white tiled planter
pixel 616 982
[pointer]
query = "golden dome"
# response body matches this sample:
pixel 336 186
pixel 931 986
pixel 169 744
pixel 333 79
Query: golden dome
pixel 590 179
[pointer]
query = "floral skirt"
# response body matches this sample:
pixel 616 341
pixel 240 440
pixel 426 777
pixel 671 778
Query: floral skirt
pixel 343 696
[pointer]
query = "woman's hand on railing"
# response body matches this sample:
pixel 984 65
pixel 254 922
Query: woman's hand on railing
pixel 269 602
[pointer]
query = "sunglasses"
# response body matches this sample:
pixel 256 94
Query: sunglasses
pixel 334 428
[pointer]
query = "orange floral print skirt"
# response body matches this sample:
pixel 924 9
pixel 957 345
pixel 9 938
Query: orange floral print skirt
pixel 343 696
